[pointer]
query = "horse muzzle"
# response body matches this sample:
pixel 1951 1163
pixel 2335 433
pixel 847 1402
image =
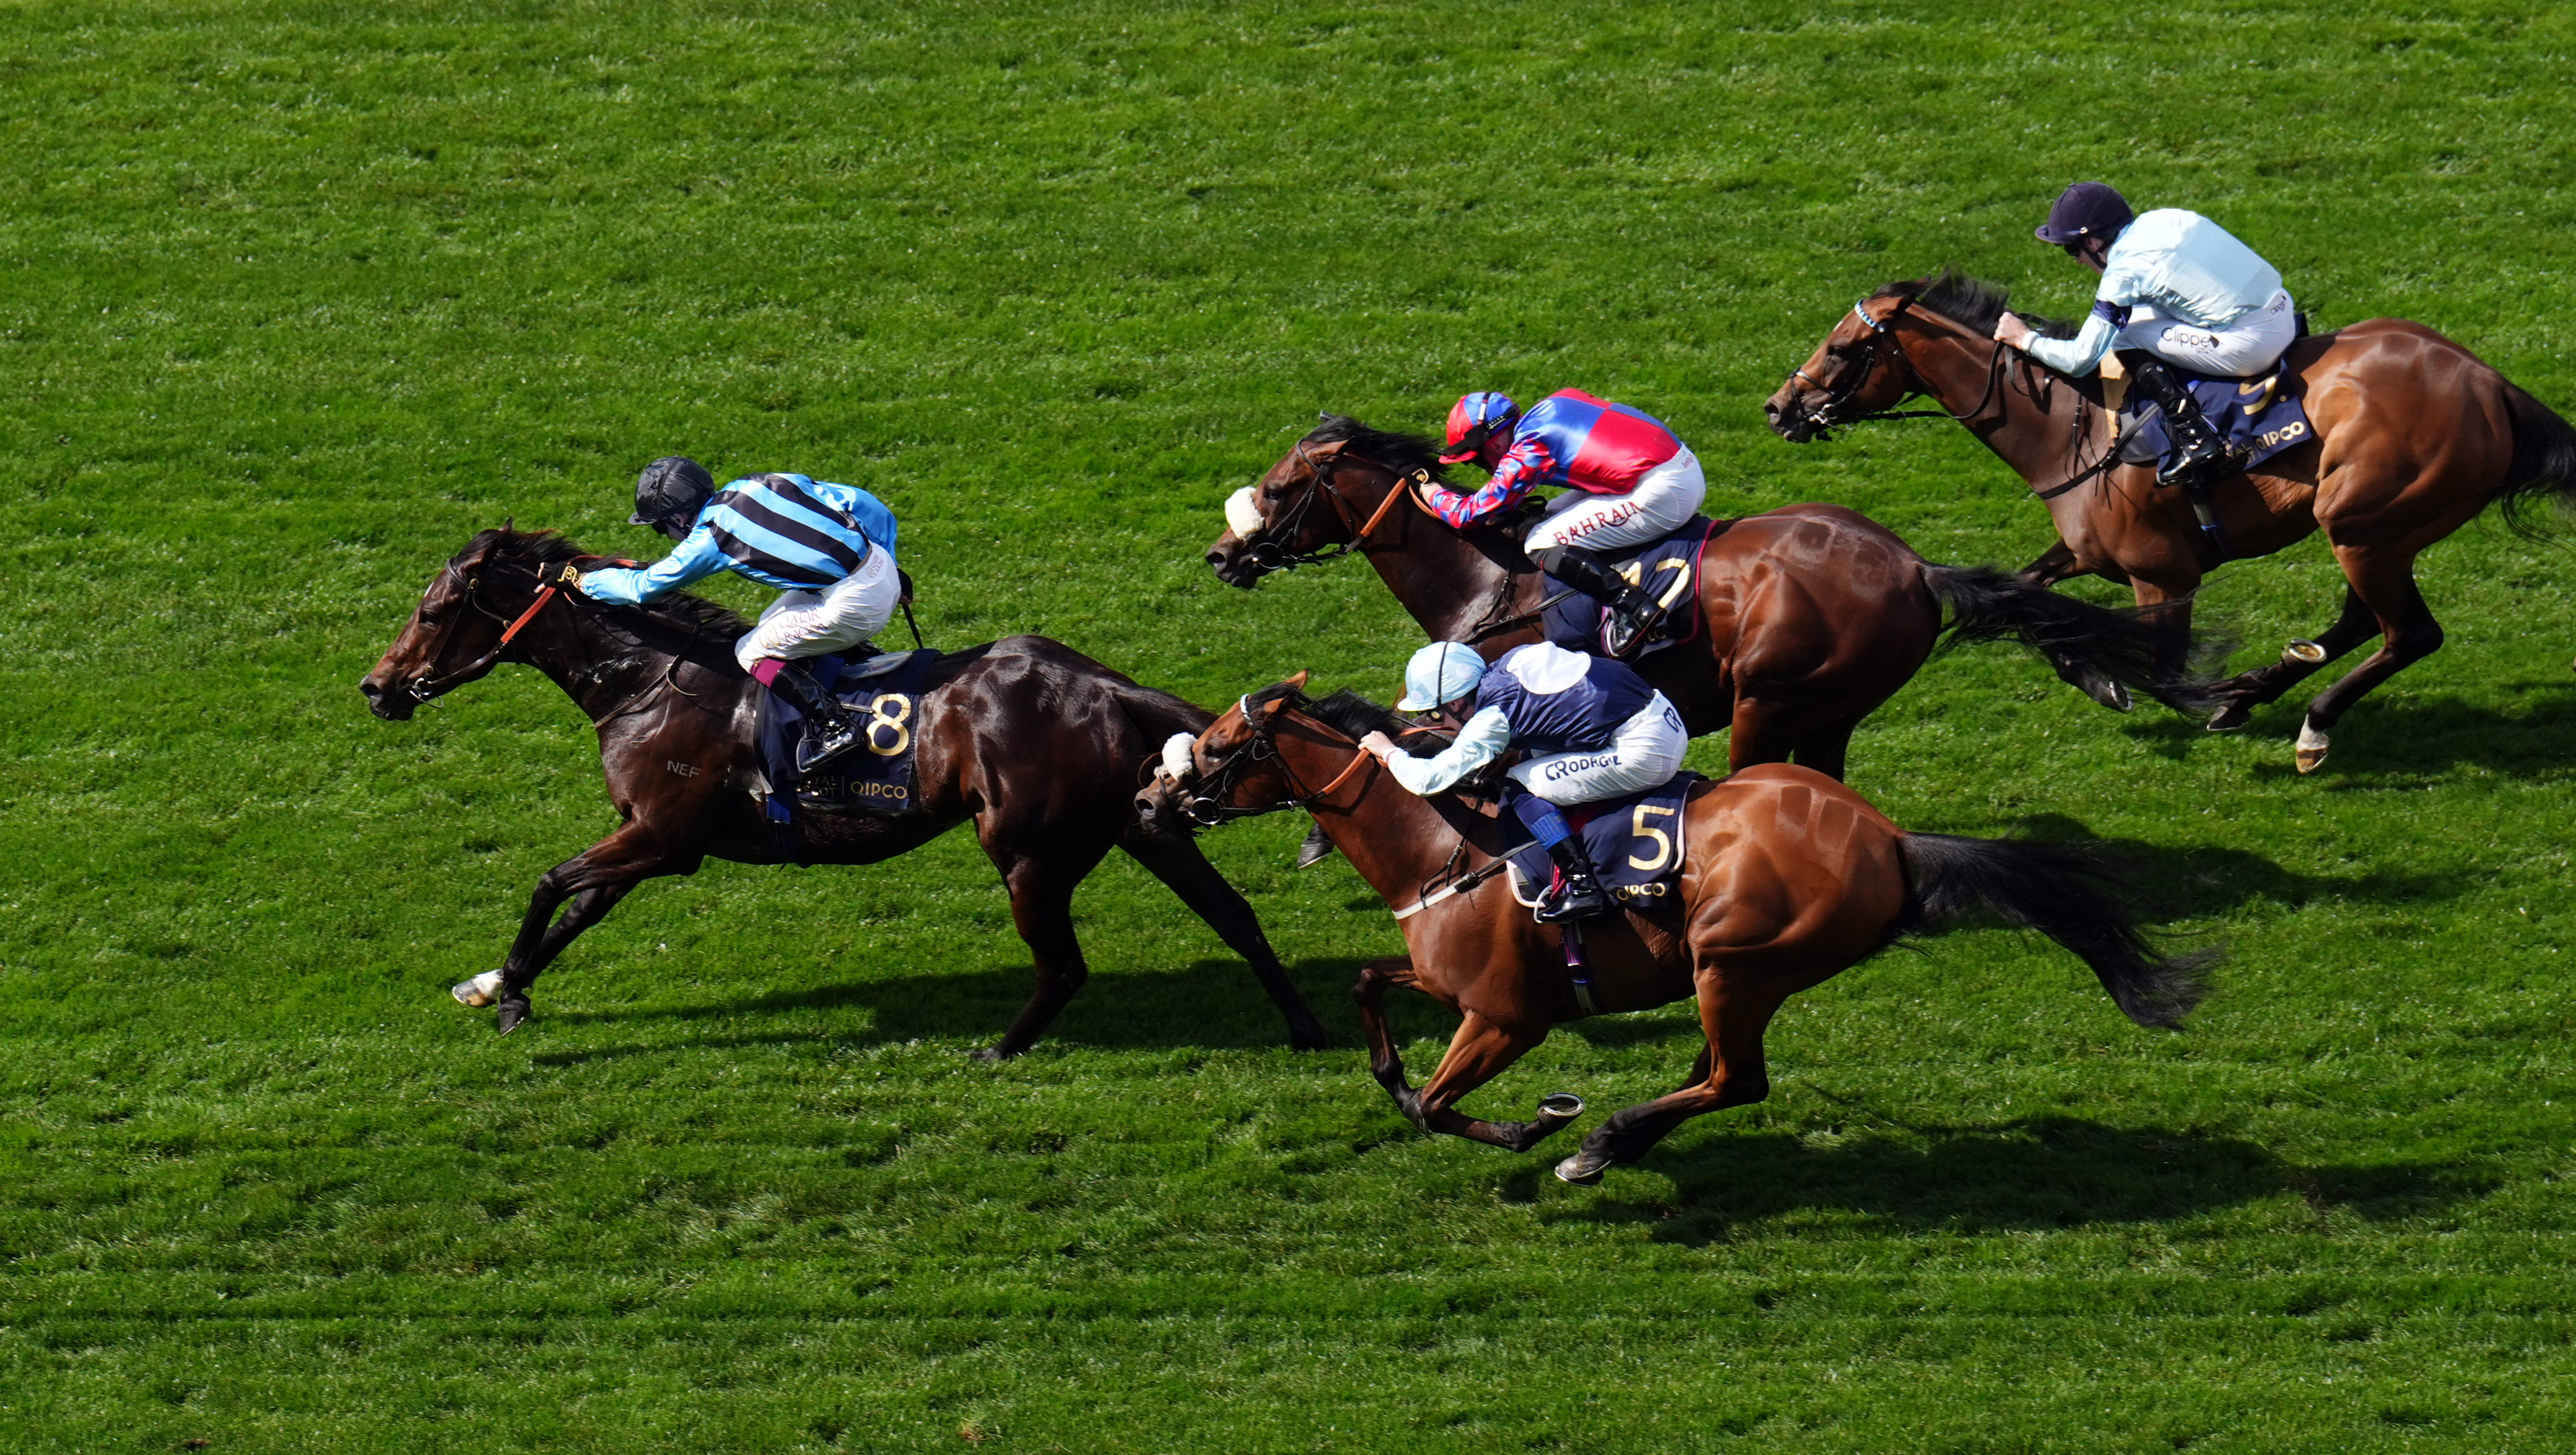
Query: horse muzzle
pixel 392 706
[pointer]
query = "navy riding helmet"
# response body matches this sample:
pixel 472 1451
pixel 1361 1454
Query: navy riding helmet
pixel 2085 210
pixel 671 491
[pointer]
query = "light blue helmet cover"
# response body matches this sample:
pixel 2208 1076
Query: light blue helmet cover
pixel 1441 672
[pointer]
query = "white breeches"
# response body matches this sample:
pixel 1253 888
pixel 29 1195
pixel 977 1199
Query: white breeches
pixel 811 623
pixel 1646 754
pixel 1664 498
pixel 2246 347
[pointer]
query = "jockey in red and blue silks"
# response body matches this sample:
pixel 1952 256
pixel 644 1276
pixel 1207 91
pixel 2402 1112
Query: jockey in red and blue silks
pixel 1633 481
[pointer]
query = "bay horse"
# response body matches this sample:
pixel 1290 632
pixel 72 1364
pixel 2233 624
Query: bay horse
pixel 1812 615
pixel 2414 436
pixel 1041 747
pixel 1789 879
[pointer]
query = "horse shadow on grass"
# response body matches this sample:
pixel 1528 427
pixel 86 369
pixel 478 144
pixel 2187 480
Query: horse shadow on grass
pixel 1209 1004
pixel 2029 1173
pixel 2401 741
pixel 2182 884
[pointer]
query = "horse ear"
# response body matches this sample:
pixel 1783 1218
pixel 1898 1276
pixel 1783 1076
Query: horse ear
pixel 509 525
pixel 1326 452
pixel 1298 682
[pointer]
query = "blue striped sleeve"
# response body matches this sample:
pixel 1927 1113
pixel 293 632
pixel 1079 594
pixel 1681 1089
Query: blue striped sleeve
pixel 695 559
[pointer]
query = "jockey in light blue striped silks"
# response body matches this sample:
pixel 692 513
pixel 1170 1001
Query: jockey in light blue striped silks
pixel 828 548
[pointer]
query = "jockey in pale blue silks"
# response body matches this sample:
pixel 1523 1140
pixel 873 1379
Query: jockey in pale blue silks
pixel 1589 726
pixel 2177 288
pixel 828 548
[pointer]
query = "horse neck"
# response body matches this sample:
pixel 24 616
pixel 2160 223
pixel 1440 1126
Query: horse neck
pixel 1439 576
pixel 1392 838
pixel 601 670
pixel 2030 415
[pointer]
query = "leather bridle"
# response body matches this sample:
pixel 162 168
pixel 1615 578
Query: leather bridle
pixel 1201 793
pixel 424 688
pixel 1264 549
pixel 1883 332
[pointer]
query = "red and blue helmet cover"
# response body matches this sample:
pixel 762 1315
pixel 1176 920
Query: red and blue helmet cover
pixel 1476 418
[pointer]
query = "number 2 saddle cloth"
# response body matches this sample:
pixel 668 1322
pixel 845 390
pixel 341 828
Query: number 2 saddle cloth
pixel 2258 417
pixel 1635 843
pixel 884 692
pixel 1668 569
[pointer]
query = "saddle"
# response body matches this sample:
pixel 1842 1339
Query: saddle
pixel 1635 844
pixel 1669 570
pixel 2258 417
pixel 885 689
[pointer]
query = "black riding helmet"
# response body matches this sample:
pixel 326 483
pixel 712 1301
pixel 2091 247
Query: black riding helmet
pixel 2086 210
pixel 670 493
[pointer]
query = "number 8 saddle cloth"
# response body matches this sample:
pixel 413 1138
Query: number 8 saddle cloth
pixel 877 776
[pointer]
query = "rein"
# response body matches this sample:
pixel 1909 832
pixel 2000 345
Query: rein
pixel 422 689
pixel 1883 331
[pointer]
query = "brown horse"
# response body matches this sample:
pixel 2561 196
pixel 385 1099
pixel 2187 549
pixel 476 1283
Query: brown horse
pixel 1789 879
pixel 1813 615
pixel 2414 436
pixel 1039 745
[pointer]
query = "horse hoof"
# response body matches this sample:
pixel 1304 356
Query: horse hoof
pixel 2301 649
pixel 989 1053
pixel 478 992
pixel 2229 718
pixel 2114 696
pixel 1581 1170
pixel 513 1014
pixel 2312 749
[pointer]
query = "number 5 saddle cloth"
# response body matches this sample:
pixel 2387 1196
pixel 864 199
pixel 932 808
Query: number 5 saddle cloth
pixel 1635 843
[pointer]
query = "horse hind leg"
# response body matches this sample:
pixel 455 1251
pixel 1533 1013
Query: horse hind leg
pixel 1187 873
pixel 1827 750
pixel 1732 1073
pixel 2408 634
pixel 1042 909
pixel 2267 683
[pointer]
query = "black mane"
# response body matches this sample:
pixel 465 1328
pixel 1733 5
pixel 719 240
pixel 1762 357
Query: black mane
pixel 1402 453
pixel 548 548
pixel 1973 302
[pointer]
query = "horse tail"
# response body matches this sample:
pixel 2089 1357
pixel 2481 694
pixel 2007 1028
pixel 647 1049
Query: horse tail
pixel 2544 461
pixel 2127 645
pixel 2062 891
pixel 1157 714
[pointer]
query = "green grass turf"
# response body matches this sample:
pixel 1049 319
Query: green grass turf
pixel 295 297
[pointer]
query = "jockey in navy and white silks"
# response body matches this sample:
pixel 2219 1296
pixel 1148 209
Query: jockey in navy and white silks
pixel 1589 728
pixel 1633 481
pixel 2177 287
pixel 828 548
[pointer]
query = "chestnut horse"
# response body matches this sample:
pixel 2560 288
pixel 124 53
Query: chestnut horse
pixel 1039 745
pixel 1789 878
pixel 2414 436
pixel 1813 615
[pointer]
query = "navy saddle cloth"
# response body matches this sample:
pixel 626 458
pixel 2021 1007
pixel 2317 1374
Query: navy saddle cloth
pixel 1669 569
pixel 1635 843
pixel 2258 417
pixel 877 776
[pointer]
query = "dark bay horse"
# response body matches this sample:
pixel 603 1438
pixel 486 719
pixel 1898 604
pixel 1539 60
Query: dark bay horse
pixel 2414 436
pixel 1789 879
pixel 1813 614
pixel 1037 744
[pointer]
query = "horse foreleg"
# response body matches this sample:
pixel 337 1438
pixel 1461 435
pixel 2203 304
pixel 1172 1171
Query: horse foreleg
pixel 2408 634
pixel 1477 1054
pixel 1735 1075
pixel 2055 564
pixel 593 881
pixel 1042 909
pixel 1369 994
pixel 1187 873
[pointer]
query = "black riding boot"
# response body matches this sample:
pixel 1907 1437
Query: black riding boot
pixel 1581 896
pixel 830 728
pixel 1633 611
pixel 2200 457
